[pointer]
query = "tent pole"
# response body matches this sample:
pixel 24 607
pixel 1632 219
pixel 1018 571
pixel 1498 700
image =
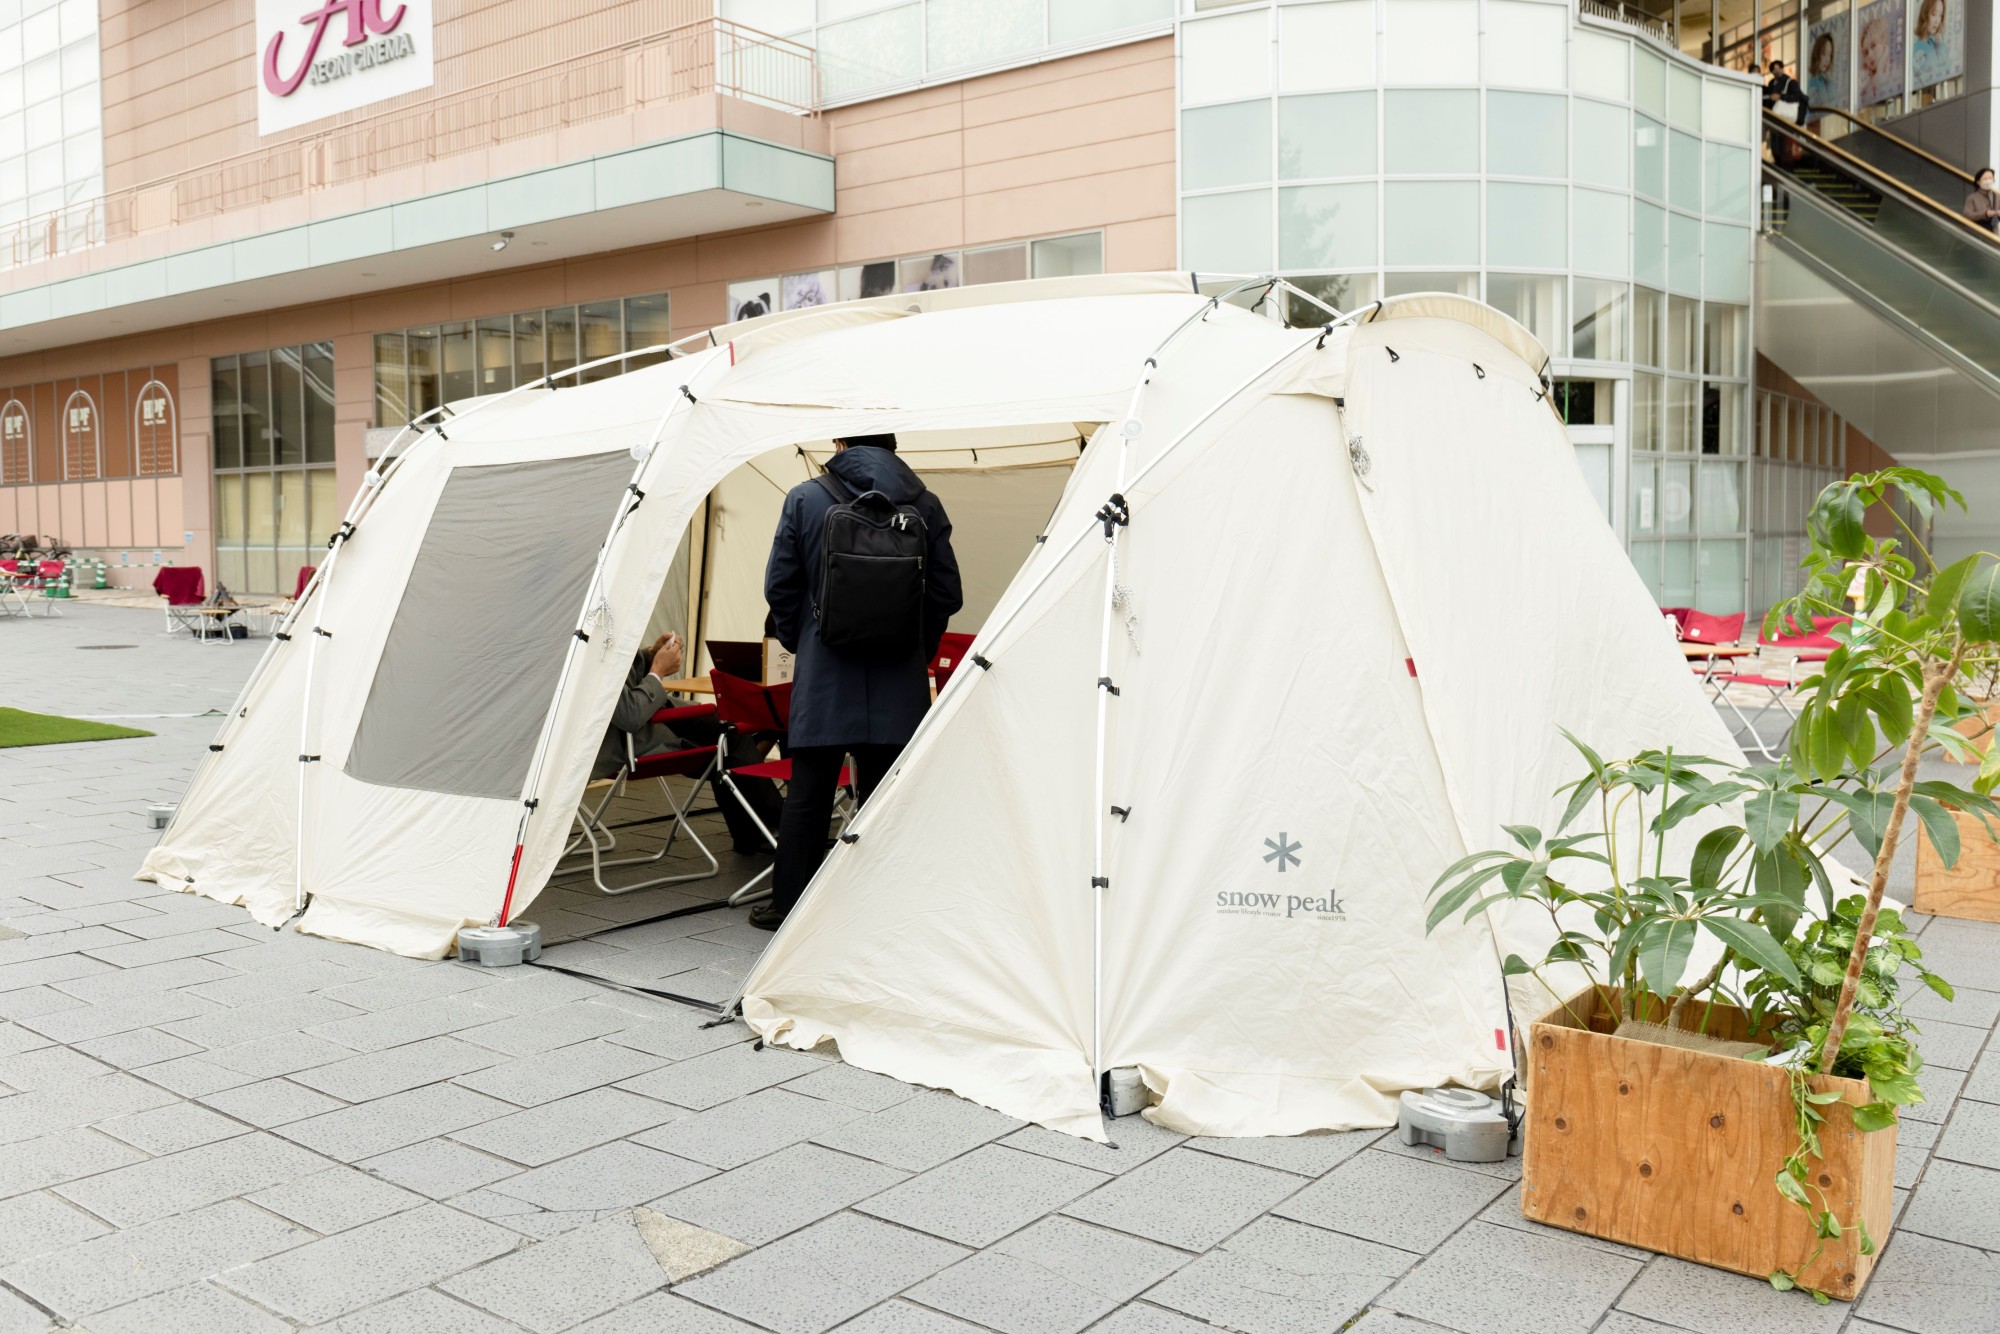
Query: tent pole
pixel 530 797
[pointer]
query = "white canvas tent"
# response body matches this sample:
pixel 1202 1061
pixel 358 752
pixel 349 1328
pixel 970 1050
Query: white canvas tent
pixel 1184 815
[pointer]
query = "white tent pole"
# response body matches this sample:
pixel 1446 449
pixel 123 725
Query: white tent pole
pixel 530 795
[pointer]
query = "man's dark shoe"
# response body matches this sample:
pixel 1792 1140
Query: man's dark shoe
pixel 767 916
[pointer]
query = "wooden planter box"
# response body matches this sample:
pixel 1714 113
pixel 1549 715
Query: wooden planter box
pixel 1676 1151
pixel 1968 888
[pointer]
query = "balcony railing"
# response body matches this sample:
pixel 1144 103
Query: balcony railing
pixel 1615 11
pixel 693 60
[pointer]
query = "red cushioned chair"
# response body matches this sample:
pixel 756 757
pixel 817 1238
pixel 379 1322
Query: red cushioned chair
pixel 181 586
pixel 697 762
pixel 1806 646
pixel 764 713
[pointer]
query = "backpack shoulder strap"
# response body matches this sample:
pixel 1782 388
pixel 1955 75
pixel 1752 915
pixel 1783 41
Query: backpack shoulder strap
pixel 841 495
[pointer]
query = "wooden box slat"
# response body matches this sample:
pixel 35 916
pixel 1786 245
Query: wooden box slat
pixel 1677 1151
pixel 1970 887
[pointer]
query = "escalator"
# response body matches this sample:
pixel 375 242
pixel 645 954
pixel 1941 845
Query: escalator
pixel 1878 295
pixel 1896 157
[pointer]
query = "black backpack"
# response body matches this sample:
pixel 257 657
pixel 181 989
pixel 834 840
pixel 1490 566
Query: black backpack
pixel 870 602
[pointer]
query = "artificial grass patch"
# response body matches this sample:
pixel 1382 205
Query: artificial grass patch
pixel 21 728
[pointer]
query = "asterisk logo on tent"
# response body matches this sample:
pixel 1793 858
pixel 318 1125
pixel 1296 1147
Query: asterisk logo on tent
pixel 1282 851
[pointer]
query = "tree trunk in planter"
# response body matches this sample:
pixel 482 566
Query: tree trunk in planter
pixel 1970 887
pixel 1677 1150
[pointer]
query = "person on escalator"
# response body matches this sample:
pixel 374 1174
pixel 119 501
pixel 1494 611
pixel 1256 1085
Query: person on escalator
pixel 1787 101
pixel 1983 204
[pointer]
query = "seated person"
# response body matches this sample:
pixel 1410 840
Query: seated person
pixel 644 695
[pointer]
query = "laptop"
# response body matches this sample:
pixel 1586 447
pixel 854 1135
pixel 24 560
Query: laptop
pixel 739 657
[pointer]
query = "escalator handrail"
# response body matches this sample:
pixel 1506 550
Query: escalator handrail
pixel 1898 141
pixel 1878 179
pixel 1844 218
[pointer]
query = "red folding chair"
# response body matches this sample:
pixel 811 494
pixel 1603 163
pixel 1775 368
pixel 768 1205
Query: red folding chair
pixel 1805 646
pixel 763 713
pixel 181 586
pixel 952 650
pixel 48 575
pixel 697 762
pixel 11 583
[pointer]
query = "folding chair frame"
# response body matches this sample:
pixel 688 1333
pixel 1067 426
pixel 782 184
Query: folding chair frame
pixel 602 839
pixel 748 892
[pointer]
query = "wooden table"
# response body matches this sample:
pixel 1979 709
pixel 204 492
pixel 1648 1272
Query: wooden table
pixel 1714 651
pixel 214 622
pixel 690 685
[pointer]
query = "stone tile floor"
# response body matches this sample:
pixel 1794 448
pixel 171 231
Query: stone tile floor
pixel 208 1126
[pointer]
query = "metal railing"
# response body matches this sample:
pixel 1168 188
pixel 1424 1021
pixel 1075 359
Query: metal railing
pixel 692 60
pixel 1631 16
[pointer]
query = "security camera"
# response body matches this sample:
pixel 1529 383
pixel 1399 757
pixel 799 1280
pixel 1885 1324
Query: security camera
pixel 501 244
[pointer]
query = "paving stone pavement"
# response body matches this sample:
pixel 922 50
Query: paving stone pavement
pixel 206 1126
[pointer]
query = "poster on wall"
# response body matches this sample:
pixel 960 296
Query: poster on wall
pixel 748 300
pixel 1937 42
pixel 803 290
pixel 318 60
pixel 1879 52
pixel 1826 63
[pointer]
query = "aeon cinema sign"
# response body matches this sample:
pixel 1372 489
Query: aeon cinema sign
pixel 318 58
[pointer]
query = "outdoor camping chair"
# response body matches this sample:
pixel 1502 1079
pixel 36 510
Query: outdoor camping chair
pixel 951 652
pixel 11 600
pixel 276 612
pixel 697 762
pixel 181 586
pixel 1806 647
pixel 763 713
pixel 48 576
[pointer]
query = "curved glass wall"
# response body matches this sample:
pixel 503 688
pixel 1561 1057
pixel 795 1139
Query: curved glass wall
pixel 1584 178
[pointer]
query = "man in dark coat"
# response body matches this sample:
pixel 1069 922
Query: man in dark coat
pixel 844 706
pixel 645 694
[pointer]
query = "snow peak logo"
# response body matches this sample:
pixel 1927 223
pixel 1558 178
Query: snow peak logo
pixel 1283 854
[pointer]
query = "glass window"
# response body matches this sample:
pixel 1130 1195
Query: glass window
pixel 1725 340
pixel 1524 44
pixel 1603 144
pixel 1329 134
pixel 1598 63
pixel 1649 82
pixel 530 362
pixel 1646 394
pixel 599 335
pixel 496 354
pixel 1678 424
pixel 1676 496
pixel 257 425
pixel 1226 145
pixel 1681 342
pixel 1649 243
pixel 287 406
pixel 1722 420
pixel 998 264
pixel 1597 330
pixel 1684 99
pixel 1326 226
pixel 1433 41
pixel 1224 58
pixel 1320 46
pixel 1649 308
pixel 1227 233
pixel 1726 262
pixel 426 384
pixel 1430 131
pixel 227 427
pixel 1535 300
pixel 869 52
pixel 455 348
pixel 1729 181
pixel 392 407
pixel 1720 590
pixel 1683 253
pixel 646 326
pixel 1646 560
pixel 1684 169
pixel 975 32
pixel 1525 135
pixel 1725 111
pixel 1649 157
pixel 1525 227
pixel 1342 291
pixel 1076 19
pixel 229 519
pixel 1602 234
pixel 319 402
pixel 562 338
pixel 1402 284
pixel 1433 223
pixel 1677 573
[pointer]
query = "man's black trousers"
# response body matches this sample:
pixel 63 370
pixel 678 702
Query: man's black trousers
pixel 802 833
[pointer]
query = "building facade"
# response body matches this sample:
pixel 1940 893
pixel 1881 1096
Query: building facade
pixel 239 244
